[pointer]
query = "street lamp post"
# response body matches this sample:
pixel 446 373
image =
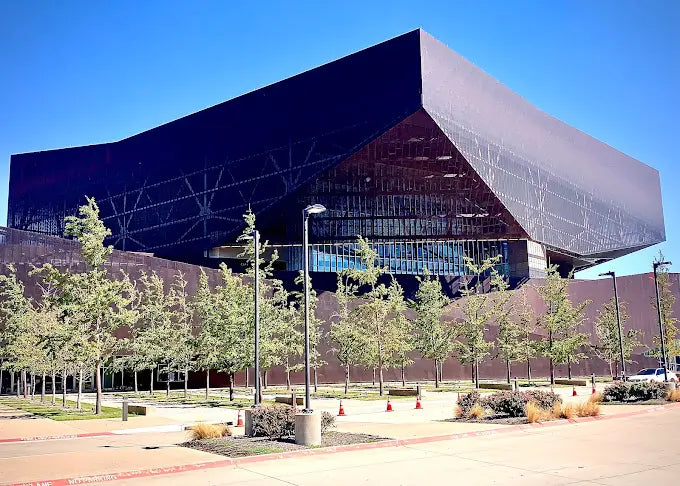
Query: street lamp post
pixel 312 209
pixel 655 266
pixel 618 323
pixel 255 235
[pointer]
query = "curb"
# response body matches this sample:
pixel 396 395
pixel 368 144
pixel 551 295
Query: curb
pixel 138 430
pixel 161 471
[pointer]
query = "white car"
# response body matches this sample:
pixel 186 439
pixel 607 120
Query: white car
pixel 653 374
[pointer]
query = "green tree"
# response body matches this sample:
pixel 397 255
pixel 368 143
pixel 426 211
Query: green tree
pixel 348 337
pixel 525 319
pixel 433 337
pixel 379 311
pixel 562 322
pixel 184 345
pixel 477 308
pixel 607 331
pixel 94 303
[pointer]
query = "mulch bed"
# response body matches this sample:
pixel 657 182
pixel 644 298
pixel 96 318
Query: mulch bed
pixel 491 419
pixel 249 446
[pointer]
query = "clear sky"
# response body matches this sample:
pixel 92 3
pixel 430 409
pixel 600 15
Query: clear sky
pixel 76 73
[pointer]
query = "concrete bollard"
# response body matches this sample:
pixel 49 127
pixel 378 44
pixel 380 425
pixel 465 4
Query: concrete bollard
pixel 248 425
pixel 125 409
pixel 308 429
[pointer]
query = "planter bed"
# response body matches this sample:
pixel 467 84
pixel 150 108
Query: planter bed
pixel 250 446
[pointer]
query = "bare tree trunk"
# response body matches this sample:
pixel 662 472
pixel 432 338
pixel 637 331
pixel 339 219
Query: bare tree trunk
pixel 151 383
pixel 441 371
pixel 42 388
pixel 260 394
pixel 529 370
pixel 611 370
pixel 247 378
pixel 186 382
pixel 287 378
pixel 472 370
pixel 374 375
pixel 167 385
pixel 207 384
pixel 232 377
pixel 507 364
pixel 11 382
pixel 265 379
pixel 1 376
pixel 54 387
pixel 346 379
pixel 80 388
pixel 64 377
pixel 569 368
pixel 122 379
pixel 476 374
pixel 18 385
pixel 113 378
pixel 552 365
pixel 32 386
pixel 136 385
pixel 436 374
pixel 98 386
pixel 316 383
pixel 24 380
pixel 403 376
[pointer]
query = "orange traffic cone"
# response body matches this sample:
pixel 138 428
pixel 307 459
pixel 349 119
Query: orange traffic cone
pixel 418 405
pixel 594 391
pixel 389 405
pixel 239 420
pixel 341 412
pixel 573 393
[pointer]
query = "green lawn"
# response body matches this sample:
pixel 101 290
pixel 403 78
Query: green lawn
pixel 56 412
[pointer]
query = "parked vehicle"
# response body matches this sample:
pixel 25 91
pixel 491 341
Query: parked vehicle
pixel 653 374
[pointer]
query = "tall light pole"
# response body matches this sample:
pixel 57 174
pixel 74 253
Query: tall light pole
pixel 255 236
pixel 618 323
pixel 312 209
pixel 655 266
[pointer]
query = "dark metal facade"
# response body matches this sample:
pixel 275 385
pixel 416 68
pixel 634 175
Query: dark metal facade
pixel 403 142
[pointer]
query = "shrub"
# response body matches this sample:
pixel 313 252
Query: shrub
pixel 274 422
pixel 467 401
pixel 647 391
pixel 457 411
pixel 209 431
pixel 510 403
pixel 277 422
pixel 674 396
pixel 618 392
pixel 544 399
pixel 636 391
pixel 536 413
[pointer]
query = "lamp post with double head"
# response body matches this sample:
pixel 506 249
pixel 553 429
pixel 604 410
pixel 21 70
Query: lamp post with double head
pixel 662 338
pixel 618 323
pixel 311 209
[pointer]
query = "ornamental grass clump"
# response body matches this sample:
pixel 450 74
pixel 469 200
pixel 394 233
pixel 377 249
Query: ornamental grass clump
pixel 537 414
pixel 591 408
pixel 209 431
pixel 467 401
pixel 477 412
pixel 562 411
pixel 674 396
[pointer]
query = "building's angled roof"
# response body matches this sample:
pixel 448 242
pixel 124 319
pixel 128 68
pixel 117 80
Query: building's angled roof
pixel 184 185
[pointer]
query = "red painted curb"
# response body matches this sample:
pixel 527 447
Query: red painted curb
pixel 55 437
pixel 141 473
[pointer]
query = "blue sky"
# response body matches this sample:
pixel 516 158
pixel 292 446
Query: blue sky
pixel 76 73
